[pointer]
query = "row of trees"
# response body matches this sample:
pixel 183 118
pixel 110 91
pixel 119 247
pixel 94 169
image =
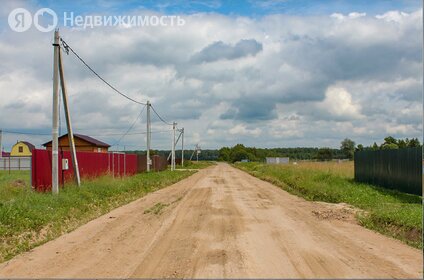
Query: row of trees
pixel 348 147
pixel 392 143
pixel 346 151
pixel 240 152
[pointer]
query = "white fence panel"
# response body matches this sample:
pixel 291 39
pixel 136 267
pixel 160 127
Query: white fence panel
pixel 277 160
pixel 15 163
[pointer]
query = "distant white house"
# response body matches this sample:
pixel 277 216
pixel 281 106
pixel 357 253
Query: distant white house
pixel 277 160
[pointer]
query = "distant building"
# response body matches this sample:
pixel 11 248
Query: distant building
pixel 5 154
pixel 22 149
pixel 83 143
pixel 277 160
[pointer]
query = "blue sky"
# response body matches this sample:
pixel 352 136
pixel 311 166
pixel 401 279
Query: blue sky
pixel 262 73
pixel 250 8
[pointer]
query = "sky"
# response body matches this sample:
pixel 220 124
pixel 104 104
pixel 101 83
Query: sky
pixel 284 73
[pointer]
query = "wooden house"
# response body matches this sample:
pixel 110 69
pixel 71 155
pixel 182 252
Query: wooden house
pixel 83 143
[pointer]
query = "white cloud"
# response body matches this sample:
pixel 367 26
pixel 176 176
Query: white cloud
pixel 338 102
pixel 352 15
pixel 323 77
pixel 400 129
pixel 241 129
pixel 395 16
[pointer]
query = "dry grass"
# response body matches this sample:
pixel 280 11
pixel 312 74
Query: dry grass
pixel 344 168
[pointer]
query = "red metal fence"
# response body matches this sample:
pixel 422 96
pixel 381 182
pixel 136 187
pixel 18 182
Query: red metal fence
pixel 159 163
pixel 90 165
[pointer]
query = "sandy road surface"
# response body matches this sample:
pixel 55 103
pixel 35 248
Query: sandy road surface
pixel 220 222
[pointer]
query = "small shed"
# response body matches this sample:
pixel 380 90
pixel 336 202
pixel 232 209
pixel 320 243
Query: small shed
pixel 83 143
pixel 22 149
pixel 277 160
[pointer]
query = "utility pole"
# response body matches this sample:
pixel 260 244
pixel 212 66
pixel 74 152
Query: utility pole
pixel 55 124
pixel 192 154
pixel 68 122
pixel 176 142
pixel 197 153
pixel 174 124
pixel 182 148
pixel 148 137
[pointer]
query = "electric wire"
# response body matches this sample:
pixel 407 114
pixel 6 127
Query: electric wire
pixel 131 127
pixel 25 133
pixel 168 123
pixel 67 47
pixel 94 135
pixel 134 133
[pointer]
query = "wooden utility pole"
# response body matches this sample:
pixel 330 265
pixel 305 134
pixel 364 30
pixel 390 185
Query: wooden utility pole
pixel 55 124
pixel 148 137
pixel 68 122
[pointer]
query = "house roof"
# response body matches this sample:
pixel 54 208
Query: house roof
pixel 4 154
pixel 86 138
pixel 30 146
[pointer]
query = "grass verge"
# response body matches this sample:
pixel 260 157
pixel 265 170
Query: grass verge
pixel 188 164
pixel 28 218
pixel 389 212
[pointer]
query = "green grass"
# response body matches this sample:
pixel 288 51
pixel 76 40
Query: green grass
pixel 188 164
pixel 29 218
pixel 156 209
pixel 392 213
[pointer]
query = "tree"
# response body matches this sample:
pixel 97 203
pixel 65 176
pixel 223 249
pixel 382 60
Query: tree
pixel 390 140
pixel 390 146
pixel 224 154
pixel 402 143
pixel 240 152
pixel 414 142
pixel 389 143
pixel 360 147
pixel 324 154
pixel 348 148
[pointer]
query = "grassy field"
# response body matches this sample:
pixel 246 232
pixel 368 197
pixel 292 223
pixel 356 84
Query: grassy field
pixel 392 213
pixel 28 218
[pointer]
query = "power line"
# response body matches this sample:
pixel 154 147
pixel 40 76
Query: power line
pixel 95 135
pixel 128 130
pixel 168 123
pixel 26 133
pixel 67 48
pixel 135 133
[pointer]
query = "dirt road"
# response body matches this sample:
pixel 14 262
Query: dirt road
pixel 220 222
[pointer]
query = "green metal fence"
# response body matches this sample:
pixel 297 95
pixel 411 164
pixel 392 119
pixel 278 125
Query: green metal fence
pixel 399 169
